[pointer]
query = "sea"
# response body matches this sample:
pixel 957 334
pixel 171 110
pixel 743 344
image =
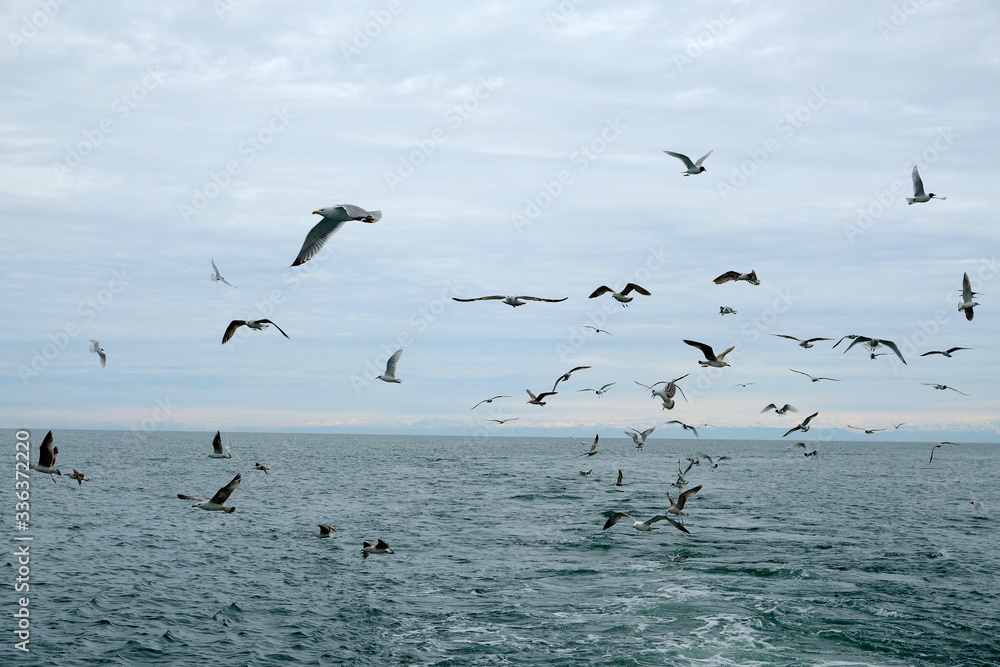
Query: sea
pixel 868 554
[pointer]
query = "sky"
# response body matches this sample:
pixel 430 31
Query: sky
pixel 513 148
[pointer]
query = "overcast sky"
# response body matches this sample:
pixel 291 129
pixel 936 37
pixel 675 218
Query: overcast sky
pixel 513 148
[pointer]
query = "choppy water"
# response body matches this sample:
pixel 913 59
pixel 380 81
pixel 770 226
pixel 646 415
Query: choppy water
pixel 871 556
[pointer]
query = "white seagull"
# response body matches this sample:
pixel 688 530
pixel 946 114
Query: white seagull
pixel 487 400
pixel 217 452
pixel 736 275
pixel 967 294
pixel 946 353
pixel 872 344
pixel 977 504
pixel 686 427
pixel 513 301
pixel 47 458
pixel 711 358
pixel 218 501
pixel 802 343
pixel 601 391
pixel 677 508
pixel 565 376
pixel 380 547
pixel 333 219
pixel 814 379
pixel 714 464
pixel 96 348
pixel 622 297
pixel 217 277
pixel 781 411
pixel 804 426
pixel 693 168
pixel 596 330
pixel 668 392
pixel 869 431
pixel 938 445
pixel 644 526
pixel 918 190
pixel 256 325
pixel 390 368
pixel 942 387
pixel 639 438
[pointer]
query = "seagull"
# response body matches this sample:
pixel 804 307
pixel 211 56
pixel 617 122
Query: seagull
pixel 668 392
pixel 804 426
pixel 869 431
pixel 390 368
pixel 938 445
pixel 537 400
pixel 217 277
pixel 814 379
pixel 967 294
pixel 333 218
pixel 601 391
pixel 260 467
pixel 805 453
pixel 593 447
pixel 781 411
pixel 976 503
pixel 681 480
pixel 717 461
pixel 693 168
pixel 596 330
pixel 744 384
pixel 325 531
pixel 619 482
pixel 47 458
pixel 736 275
pixel 639 438
pixel 380 547
pixel 712 359
pixel 942 387
pixel 851 336
pixel 677 508
pixel 514 301
pixel 644 526
pixel 565 376
pixel 687 427
pixel 622 297
pixel 895 426
pixel 946 353
pixel 96 348
pixel 257 325
pixel 802 343
pixel 726 310
pixel 503 421
pixel 78 476
pixel 918 190
pixel 218 501
pixel 872 344
pixel 586 473
pixel 217 452
pixel 487 400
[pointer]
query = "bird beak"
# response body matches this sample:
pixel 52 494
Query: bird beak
pixel 315 212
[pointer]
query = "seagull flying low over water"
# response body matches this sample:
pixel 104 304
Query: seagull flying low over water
pixel 736 275
pixel 714 464
pixel 668 392
pixel 262 468
pixel 693 168
pixel 869 431
pixel 390 368
pixel 333 219
pixel 601 391
pixel 622 297
pixel 946 353
pixel 814 379
pixel 686 427
pixel 218 501
pixel 47 458
pixel 726 310
pixel 872 344
pixel 257 325
pixel 711 358
pixel 217 277
pixel 639 438
pixel 513 301
pixel 487 400
pixel 938 445
pixel 620 477
pixel 804 426
pixel 593 447
pixel 805 452
pixel 644 526
pixel 967 294
pixel 380 547
pixel 325 531
pixel 217 452
pixel 976 503
pixel 96 348
pixel 677 508
pixel 942 387
pixel 781 411
pixel 78 476
pixel 802 343
pixel 918 190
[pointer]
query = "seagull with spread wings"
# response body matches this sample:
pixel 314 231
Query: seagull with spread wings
pixel 217 277
pixel 729 276
pixel 802 343
pixel 804 426
pixel 918 190
pixel 487 400
pixel 622 297
pixel 256 325
pixel 872 344
pixel 693 168
pixel 711 358
pixel 333 219
pixel 942 387
pixel 513 301
pixel 967 294
pixel 643 526
pixel 686 427
pixel 218 501
pixel 945 353
pixel 814 379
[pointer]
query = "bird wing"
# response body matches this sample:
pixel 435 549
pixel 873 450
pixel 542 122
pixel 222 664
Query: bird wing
pixel 217 443
pixel 325 529
pixel 390 365
pixel 705 349
pixel 693 430
pixel 681 499
pixel 851 336
pixel 538 298
pixel 726 277
pixel 785 336
pixel 215 268
pixel 955 349
pixel 382 544
pixel 857 339
pixel 645 434
pixel 788 407
pixel 358 213
pixel 857 428
pixel 478 298
pixel 813 340
pixel 702 158
pixel 46 454
pixel 637 288
pixel 892 346
pixel 223 494
pixel 661 517
pixel 752 279
pixel 966 288
pixel 800 372
pixel 683 158
pixel 275 326
pixel 183 497
pixel 769 406
pixel 603 289
pixel 831 379
pixel 808 419
pixel 478 404
pixel 104 358
pixel 793 430
pixel 706 457
pixel 918 185
pixel 615 518
pixel 722 356
pixel 605 387
pixel 961 392
pixel 315 239
pixel 231 329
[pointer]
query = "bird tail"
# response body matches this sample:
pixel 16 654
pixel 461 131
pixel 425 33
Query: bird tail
pixel 228 510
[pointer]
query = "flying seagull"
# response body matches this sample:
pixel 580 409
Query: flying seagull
pixel 946 353
pixel 620 477
pixel 668 392
pixel 693 168
pixel 217 452
pixel 869 431
pixel 851 336
pixel 47 458
pixel 217 277
pixel 596 330
pixel 390 368
pixel 262 468
pixel 593 447
pixel 781 411
pixel 644 526
pixel 942 387
pixel 918 190
pixel 601 391
pixel 872 344
pixel 487 400
pixel 938 445
pixel 714 464
pixel 736 275
pixel 686 427
pixel 565 376
pixel 895 426
pixel 802 343
pixel 804 426
pixel 967 294
pixel 257 325
pixel 814 379
pixel 325 531
pixel 726 310
pixel 539 400
pixel 677 508
pixel 710 356
pixel 514 301
pixel 380 547
pixel 333 219
pixel 744 384
pixel 622 297
pixel 97 349
pixel 218 501
pixel 639 438
pixel 503 421
pixel 78 476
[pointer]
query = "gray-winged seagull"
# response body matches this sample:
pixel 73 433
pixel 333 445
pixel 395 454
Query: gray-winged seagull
pixel 333 219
